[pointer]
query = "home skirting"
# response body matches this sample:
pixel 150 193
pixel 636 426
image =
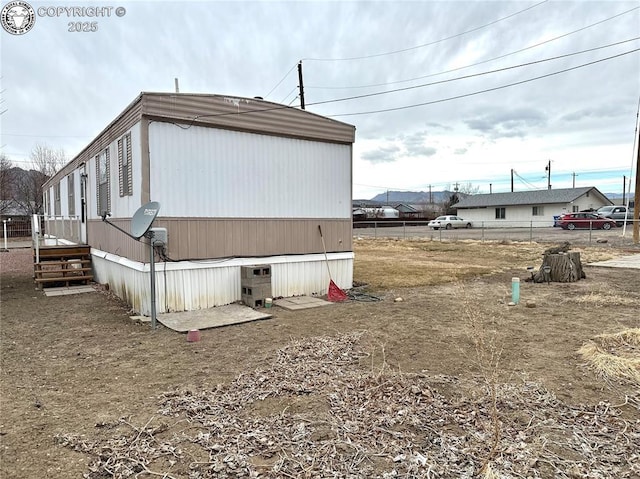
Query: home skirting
pixel 191 285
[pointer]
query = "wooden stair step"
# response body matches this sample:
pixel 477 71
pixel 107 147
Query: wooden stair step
pixel 59 263
pixel 64 279
pixel 63 270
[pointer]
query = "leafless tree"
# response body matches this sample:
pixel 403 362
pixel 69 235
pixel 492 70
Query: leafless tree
pixel 45 162
pixel 459 192
pixel 5 187
pixel 468 189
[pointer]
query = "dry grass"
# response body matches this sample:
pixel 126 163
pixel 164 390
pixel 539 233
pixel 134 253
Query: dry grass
pixel 311 411
pixel 389 263
pixel 603 298
pixel 615 356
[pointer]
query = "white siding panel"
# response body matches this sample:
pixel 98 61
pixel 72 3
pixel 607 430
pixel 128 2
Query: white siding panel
pixel 202 285
pixel 207 172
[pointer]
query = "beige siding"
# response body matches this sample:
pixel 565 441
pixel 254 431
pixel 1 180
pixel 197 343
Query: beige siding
pixel 245 114
pixel 207 238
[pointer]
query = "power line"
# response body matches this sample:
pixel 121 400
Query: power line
pixel 477 63
pixel 376 55
pixel 525 182
pixel 487 90
pixel 285 76
pixel 280 107
pixel 287 95
pixel 413 87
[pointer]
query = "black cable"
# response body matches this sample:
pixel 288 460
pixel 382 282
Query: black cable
pixel 426 44
pixel 285 76
pixel 287 95
pixel 466 95
pixel 282 107
pixel 362 297
pixel 465 77
pixel 478 63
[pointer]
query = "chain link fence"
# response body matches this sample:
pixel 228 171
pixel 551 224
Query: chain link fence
pixel 527 231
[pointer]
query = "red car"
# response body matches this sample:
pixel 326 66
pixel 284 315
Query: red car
pixel 571 221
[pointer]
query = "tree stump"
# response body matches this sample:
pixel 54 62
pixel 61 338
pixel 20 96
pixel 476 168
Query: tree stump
pixel 564 268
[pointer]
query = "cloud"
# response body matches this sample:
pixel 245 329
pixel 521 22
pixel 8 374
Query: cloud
pixel 414 144
pixel 508 123
pixel 601 112
pixel 384 154
pixel 460 151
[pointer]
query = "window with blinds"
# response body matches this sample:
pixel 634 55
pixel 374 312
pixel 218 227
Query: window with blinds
pixel 103 199
pixel 124 165
pixel 71 195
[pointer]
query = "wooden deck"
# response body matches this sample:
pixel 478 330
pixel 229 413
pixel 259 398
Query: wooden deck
pixel 63 264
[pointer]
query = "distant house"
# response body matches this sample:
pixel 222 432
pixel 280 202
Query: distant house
pixel 525 208
pixel 407 211
pixel 240 181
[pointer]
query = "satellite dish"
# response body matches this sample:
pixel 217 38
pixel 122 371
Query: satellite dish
pixel 142 219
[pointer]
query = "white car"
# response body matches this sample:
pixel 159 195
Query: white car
pixel 448 222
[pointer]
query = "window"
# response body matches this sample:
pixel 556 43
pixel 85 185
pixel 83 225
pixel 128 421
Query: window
pixel 72 197
pixel 538 211
pixel 124 165
pixel 501 213
pixel 102 182
pixel 56 199
pixel 575 208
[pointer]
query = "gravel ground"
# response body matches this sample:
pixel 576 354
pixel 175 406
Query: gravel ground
pixel 16 261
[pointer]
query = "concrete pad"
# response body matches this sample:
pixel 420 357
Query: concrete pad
pixel 142 319
pixel 631 261
pixel 300 302
pixel 210 318
pixel 64 291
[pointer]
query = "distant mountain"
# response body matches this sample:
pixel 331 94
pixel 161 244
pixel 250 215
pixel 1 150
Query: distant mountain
pixel 412 197
pixel 618 196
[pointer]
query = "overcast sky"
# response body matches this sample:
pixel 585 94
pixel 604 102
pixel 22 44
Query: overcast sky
pixel 62 88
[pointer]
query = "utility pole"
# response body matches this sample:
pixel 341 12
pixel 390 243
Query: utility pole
pixel 548 168
pixel 624 189
pixel 300 85
pixel 636 209
pixel 574 179
pixel 430 197
pixel 490 188
pixel 511 180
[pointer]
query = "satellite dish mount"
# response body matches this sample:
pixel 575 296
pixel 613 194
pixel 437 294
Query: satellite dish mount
pixel 140 227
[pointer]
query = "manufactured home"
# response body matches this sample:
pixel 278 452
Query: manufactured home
pixel 240 181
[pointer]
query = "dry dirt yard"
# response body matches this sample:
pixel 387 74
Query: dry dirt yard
pixel 450 382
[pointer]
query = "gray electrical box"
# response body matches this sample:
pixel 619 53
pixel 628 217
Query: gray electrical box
pixel 160 236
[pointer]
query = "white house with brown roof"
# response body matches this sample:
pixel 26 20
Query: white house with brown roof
pixel 240 181
pixel 528 208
